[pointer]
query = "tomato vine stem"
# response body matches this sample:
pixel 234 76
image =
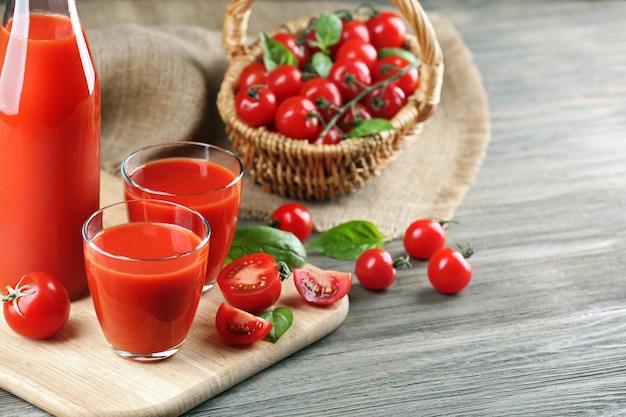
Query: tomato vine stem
pixel 366 90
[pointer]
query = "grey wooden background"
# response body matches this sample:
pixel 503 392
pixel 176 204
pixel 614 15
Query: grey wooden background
pixel 541 330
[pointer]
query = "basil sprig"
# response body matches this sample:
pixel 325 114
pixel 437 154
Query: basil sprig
pixel 281 318
pixel 370 127
pixel 348 240
pixel 275 53
pixel 283 246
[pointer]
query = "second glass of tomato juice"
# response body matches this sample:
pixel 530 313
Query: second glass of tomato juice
pixel 199 175
pixel 146 263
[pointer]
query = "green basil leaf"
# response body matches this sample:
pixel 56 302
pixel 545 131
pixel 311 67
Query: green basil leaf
pixel 348 240
pixel 402 53
pixel 281 318
pixel 275 53
pixel 328 30
pixel 370 127
pixel 321 64
pixel 283 246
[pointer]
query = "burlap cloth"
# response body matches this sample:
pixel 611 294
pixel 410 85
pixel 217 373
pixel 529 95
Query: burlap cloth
pixel 160 64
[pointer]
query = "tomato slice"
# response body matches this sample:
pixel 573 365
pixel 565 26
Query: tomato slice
pixel 322 287
pixel 240 327
pixel 252 283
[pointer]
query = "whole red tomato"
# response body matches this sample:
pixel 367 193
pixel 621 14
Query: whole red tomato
pixel 253 74
pixel 449 270
pixel 387 30
pixel 390 65
pixel 385 102
pixel 294 218
pixel 256 105
pixel 350 76
pixel 291 42
pixel 356 49
pixel 423 238
pixel 38 307
pixel 352 117
pixel 310 41
pixel 376 269
pixel 332 137
pixel 297 117
pixel 324 94
pixel 351 30
pixel 285 81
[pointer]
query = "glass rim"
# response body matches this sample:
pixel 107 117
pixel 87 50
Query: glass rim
pixel 204 241
pixel 126 177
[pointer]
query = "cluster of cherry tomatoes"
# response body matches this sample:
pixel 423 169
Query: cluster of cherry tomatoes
pixel 339 73
pixel 253 283
pixel 448 268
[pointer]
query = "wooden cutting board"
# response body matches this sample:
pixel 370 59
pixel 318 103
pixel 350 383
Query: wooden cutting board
pixel 76 373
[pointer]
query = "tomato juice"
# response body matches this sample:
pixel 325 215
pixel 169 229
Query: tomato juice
pixel 49 149
pixel 145 280
pixel 208 187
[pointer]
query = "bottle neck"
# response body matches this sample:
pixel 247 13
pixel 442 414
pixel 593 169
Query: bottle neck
pixel 17 16
pixel 15 8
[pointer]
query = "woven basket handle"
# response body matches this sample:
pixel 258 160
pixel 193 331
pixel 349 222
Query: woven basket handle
pixel 234 43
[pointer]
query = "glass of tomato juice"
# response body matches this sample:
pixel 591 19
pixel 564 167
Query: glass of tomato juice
pixel 146 264
pixel 202 176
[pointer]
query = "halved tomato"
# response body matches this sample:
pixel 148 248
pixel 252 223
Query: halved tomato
pixel 322 287
pixel 252 282
pixel 240 327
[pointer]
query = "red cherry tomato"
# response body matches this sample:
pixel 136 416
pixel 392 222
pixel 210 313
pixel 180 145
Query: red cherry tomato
pixel 356 49
pixel 389 66
pixel 350 76
pixel 324 94
pixel 353 29
pixel 294 218
pixel 253 74
pixel 333 137
pixel 321 287
pixel 354 115
pixel 240 327
pixel 387 30
pixel 291 42
pixel 252 283
pixel 256 105
pixel 423 238
pixel 38 307
pixel 376 269
pixel 297 118
pixel 285 81
pixel 449 270
pixel 310 39
pixel 385 102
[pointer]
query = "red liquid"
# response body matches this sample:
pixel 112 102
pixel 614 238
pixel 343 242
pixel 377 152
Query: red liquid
pixel 190 179
pixel 49 151
pixel 146 306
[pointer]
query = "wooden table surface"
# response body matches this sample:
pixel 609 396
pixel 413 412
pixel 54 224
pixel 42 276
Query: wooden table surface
pixel 541 330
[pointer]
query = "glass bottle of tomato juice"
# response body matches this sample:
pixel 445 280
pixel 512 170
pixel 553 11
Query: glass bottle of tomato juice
pixel 49 141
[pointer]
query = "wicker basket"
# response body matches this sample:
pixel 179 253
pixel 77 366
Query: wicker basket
pixel 297 169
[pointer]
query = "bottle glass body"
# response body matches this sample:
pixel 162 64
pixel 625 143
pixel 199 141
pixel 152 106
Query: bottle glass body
pixel 49 141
